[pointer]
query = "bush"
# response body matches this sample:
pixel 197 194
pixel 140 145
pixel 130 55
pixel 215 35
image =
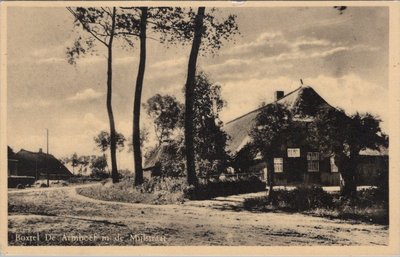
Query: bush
pixel 211 189
pixel 168 184
pixel 99 174
pixel 125 173
pixel 303 198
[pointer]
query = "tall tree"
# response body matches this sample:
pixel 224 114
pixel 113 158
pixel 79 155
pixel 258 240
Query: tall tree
pixel 100 25
pixel 137 99
pixel 171 27
pixel 191 74
pixel 213 33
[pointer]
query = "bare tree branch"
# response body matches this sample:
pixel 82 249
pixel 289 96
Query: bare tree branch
pixel 84 25
pixel 108 12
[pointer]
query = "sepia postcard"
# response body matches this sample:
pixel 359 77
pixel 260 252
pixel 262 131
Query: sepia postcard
pixel 200 128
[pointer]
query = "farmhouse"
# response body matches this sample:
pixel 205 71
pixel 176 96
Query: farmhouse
pixel 299 164
pixel 38 165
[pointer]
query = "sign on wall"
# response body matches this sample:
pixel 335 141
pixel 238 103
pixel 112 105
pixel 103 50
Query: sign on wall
pixel 293 152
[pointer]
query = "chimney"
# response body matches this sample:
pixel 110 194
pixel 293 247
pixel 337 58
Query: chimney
pixel 40 150
pixel 279 95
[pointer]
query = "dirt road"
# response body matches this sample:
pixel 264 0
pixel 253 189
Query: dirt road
pixel 65 218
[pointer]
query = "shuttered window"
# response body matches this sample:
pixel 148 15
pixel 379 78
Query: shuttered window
pixel 313 162
pixel 278 165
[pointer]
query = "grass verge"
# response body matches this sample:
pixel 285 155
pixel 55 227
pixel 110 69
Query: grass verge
pixel 164 191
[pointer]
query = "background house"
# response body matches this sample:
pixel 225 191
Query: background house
pixel 300 164
pixel 38 165
pixel 12 166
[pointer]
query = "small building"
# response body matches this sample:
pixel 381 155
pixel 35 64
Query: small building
pixel 39 165
pixel 12 167
pixel 300 164
pixel 152 163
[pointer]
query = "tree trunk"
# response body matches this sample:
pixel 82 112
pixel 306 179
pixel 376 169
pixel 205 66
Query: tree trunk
pixel 271 181
pixel 113 141
pixel 348 187
pixel 189 101
pixel 137 153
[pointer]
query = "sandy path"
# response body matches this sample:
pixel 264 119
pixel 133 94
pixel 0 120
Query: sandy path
pixel 216 222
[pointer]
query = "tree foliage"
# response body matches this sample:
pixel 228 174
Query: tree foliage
pixel 103 141
pixel 171 162
pixel 97 22
pixel 345 136
pixel 210 139
pixel 98 166
pixel 166 113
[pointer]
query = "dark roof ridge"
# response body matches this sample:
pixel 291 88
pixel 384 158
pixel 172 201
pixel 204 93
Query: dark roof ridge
pixel 259 108
pixel 34 152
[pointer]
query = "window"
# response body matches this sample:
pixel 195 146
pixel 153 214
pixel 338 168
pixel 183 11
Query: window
pixel 293 152
pixel 278 165
pixel 313 161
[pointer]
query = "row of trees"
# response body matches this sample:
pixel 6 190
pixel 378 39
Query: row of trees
pixel 97 165
pixel 170 25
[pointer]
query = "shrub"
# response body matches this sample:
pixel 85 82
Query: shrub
pixel 99 174
pixel 211 189
pixel 125 173
pixel 304 198
pixel 168 184
pixel 300 199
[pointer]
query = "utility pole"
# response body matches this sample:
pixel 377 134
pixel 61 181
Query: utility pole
pixel 47 157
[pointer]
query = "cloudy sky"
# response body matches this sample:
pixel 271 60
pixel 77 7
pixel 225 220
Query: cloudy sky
pixel 343 57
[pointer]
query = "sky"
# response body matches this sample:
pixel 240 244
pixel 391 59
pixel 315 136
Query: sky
pixel 344 57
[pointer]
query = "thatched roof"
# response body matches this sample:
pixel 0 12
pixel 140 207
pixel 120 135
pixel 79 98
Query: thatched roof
pixel 154 157
pixel 31 162
pixel 304 101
